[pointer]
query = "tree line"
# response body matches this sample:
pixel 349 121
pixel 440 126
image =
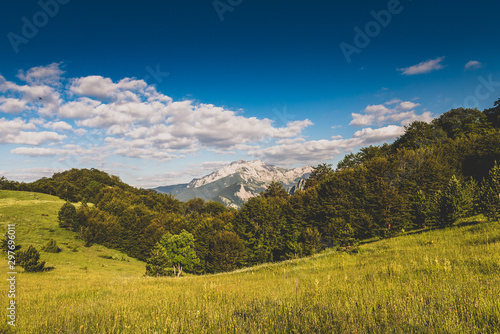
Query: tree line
pixel 431 176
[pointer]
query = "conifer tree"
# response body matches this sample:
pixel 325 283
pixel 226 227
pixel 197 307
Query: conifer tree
pixel 490 194
pixel 67 215
pixel 453 203
pixel 30 260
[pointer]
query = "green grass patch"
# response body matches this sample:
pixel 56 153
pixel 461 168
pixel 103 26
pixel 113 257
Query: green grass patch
pixel 440 281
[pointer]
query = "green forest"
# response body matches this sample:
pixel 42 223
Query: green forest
pixel 428 178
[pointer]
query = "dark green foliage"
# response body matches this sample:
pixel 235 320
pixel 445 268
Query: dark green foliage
pixel 419 135
pixel 226 252
pixel 67 215
pixel 158 263
pixel 493 114
pixel 319 173
pixel 345 235
pixel 276 190
pixel 462 122
pixel 452 203
pixel 420 209
pixel 312 241
pixel 490 194
pixel 30 260
pixel 51 247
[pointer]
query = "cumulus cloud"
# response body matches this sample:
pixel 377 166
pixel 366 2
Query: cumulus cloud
pixel 42 75
pixel 105 89
pixel 369 136
pixel 14 132
pixel 214 165
pixel 39 151
pixel 59 126
pixel 136 119
pixel 132 119
pixel 400 112
pixel 473 65
pixel 361 120
pixel 42 98
pixel 11 105
pixel 32 138
pixel 315 151
pixel 82 108
pixel 407 105
pixel 423 67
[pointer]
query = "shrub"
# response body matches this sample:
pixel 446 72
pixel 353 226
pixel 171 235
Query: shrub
pixel 51 247
pixel 30 260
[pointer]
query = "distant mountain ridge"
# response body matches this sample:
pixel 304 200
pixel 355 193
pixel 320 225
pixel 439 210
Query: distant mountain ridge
pixel 237 182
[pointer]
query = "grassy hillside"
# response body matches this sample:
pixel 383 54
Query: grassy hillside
pixel 436 281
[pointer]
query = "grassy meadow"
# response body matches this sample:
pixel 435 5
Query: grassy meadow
pixel 440 281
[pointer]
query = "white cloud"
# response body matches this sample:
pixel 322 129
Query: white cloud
pixel 32 138
pixel 105 89
pixel 370 136
pixel 59 126
pixel 473 65
pixel 393 101
pixel 407 105
pixel 13 132
pixel 361 120
pixel 82 108
pixel 11 105
pixel 39 151
pixel 315 151
pixel 424 117
pixel 378 109
pixel 423 67
pixel 42 75
pixel 401 112
pixel 46 100
pixel 214 165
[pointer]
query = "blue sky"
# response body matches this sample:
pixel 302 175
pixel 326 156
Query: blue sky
pixel 159 92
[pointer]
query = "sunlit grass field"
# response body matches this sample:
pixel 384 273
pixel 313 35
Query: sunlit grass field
pixel 441 281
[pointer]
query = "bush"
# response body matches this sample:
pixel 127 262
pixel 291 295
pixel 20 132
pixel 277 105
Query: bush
pixel 51 247
pixel 30 260
pixel 67 215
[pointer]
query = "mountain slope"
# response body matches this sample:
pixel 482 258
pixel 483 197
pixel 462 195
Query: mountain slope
pixel 235 183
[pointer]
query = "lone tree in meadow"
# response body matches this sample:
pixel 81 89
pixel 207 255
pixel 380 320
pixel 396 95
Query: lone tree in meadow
pixel 175 250
pixel 30 260
pixel 67 215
